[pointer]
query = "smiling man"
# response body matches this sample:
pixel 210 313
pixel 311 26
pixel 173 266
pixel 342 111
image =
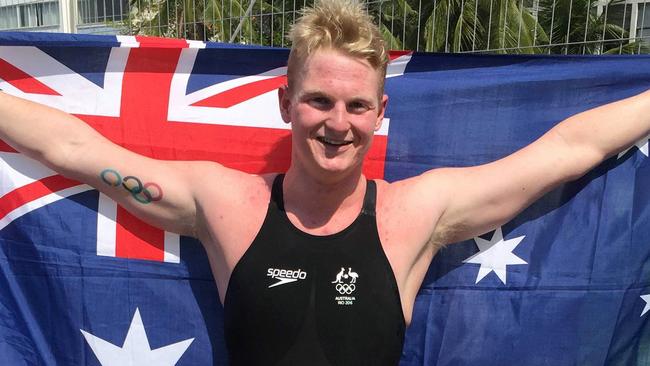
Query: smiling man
pixel 320 266
pixel 332 87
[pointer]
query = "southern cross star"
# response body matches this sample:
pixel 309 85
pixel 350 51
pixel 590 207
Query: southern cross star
pixel 646 298
pixel 495 255
pixel 136 350
pixel 642 144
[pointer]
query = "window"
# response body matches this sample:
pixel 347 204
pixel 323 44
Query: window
pixel 38 14
pixel 8 17
pixel 100 11
pixel 32 15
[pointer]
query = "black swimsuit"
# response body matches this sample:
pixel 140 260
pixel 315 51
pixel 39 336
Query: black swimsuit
pixel 301 299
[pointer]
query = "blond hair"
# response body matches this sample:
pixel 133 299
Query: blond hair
pixel 341 25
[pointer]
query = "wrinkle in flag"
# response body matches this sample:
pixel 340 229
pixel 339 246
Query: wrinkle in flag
pixel 82 282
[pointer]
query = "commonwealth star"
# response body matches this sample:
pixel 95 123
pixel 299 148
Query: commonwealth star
pixel 495 255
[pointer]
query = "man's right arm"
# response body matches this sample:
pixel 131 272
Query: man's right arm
pixel 160 192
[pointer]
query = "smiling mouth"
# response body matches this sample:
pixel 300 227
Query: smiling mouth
pixel 331 142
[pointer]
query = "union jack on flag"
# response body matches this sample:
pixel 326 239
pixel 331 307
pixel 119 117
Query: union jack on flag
pixel 82 282
pixel 154 90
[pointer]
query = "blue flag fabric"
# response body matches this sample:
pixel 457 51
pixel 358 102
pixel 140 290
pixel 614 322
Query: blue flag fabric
pixel 566 282
pixel 574 297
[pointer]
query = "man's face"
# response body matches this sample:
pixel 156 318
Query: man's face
pixel 334 110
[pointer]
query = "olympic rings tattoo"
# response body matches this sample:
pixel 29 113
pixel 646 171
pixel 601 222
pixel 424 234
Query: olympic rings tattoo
pixel 107 173
pixel 133 189
pixel 143 193
pixel 345 289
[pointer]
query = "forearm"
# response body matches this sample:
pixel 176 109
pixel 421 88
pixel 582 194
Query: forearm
pixel 566 152
pixel 606 130
pixel 159 192
pixel 42 133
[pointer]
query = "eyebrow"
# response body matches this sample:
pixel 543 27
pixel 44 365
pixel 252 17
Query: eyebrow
pixel 319 93
pixel 313 93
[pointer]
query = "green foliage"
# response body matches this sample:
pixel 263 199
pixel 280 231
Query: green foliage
pixel 496 26
pixel 462 25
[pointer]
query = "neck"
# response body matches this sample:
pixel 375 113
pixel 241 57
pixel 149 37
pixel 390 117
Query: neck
pixel 317 203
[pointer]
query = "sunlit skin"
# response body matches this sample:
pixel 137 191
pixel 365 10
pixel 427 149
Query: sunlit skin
pixel 334 109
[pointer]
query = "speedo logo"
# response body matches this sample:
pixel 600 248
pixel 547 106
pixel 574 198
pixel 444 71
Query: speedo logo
pixel 285 276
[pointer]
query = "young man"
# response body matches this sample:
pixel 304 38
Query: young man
pixel 320 266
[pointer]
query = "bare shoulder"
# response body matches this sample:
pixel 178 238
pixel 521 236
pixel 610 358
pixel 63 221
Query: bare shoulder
pixel 430 195
pixel 228 198
pixel 414 200
pixel 408 210
pixel 219 182
pixel 231 209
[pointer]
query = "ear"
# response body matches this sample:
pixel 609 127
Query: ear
pixel 382 110
pixel 284 100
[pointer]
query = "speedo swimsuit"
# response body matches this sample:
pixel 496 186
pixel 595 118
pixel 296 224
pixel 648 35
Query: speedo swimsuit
pixel 301 299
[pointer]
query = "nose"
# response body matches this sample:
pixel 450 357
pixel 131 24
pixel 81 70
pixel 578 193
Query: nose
pixel 338 119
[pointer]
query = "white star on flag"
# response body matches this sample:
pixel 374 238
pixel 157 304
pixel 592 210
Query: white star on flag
pixel 642 144
pixel 645 298
pixel 495 255
pixel 136 350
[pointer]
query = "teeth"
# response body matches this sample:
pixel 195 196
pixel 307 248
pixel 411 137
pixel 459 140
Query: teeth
pixel 333 142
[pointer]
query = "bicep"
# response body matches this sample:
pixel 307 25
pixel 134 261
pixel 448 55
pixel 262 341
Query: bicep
pixel 160 192
pixel 479 199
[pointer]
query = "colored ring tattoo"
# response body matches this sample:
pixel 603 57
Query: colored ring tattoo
pixel 143 193
pixel 145 200
pixel 158 191
pixel 133 190
pixel 105 172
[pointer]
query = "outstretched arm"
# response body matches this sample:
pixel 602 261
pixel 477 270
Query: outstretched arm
pixel 161 192
pixel 471 201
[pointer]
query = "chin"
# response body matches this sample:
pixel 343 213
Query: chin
pixel 316 160
pixel 339 166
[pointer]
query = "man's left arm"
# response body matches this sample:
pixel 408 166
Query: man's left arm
pixel 474 200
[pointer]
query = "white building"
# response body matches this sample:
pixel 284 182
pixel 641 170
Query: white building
pixel 636 18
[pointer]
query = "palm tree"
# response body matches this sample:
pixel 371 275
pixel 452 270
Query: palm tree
pixel 497 26
pixel 501 26
pixel 578 28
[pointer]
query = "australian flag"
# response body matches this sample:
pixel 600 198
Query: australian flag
pixel 82 282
